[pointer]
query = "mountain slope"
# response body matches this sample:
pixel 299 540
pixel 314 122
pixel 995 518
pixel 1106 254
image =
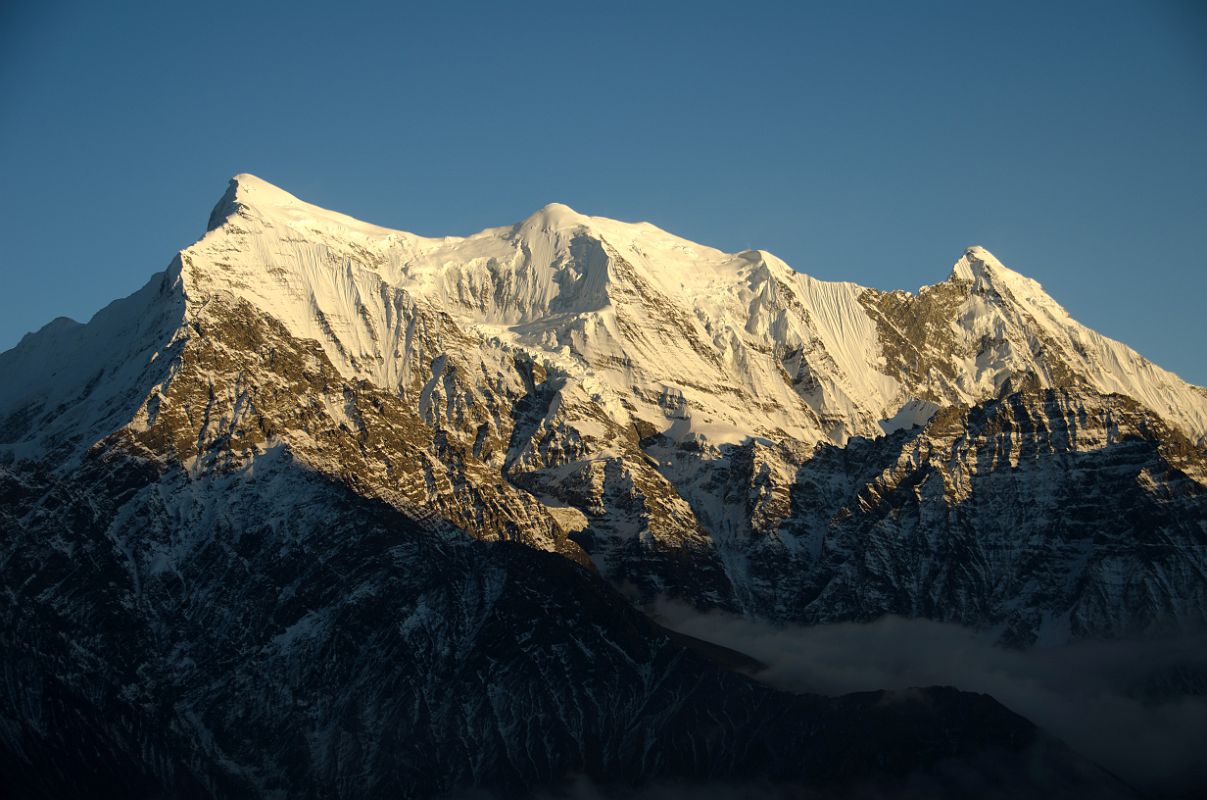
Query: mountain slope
pixel 242 592
pixel 276 634
pixel 662 410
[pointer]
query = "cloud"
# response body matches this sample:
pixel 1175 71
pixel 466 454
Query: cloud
pixel 1105 699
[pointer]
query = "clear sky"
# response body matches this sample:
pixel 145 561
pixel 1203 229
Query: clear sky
pixel 867 141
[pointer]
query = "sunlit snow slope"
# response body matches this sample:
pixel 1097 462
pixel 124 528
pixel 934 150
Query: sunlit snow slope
pixel 649 327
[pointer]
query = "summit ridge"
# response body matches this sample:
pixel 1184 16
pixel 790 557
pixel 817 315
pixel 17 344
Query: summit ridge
pixel 585 293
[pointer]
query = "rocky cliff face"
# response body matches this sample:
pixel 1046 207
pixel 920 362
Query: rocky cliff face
pixel 1044 515
pixel 195 606
pixel 314 453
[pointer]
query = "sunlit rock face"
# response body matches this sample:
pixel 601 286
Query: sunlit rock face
pixel 332 505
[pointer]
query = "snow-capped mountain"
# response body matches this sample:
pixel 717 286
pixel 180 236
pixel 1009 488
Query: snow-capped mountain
pixel 613 385
pixel 611 388
pixel 296 443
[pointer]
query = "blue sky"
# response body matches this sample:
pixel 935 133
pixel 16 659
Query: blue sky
pixel 863 141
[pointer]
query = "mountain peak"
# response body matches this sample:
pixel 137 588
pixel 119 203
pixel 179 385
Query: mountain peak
pixel 985 272
pixel 248 191
pixel 975 261
pixel 259 190
pixel 257 197
pixel 555 216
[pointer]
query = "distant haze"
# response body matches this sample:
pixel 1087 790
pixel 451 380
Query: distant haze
pixel 1088 694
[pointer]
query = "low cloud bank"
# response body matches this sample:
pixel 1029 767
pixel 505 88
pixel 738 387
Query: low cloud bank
pixel 1115 702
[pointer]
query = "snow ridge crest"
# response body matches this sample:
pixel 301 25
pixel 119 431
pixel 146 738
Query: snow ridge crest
pixel 630 315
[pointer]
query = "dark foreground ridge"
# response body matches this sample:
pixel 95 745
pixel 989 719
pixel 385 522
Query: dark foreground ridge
pixel 345 652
